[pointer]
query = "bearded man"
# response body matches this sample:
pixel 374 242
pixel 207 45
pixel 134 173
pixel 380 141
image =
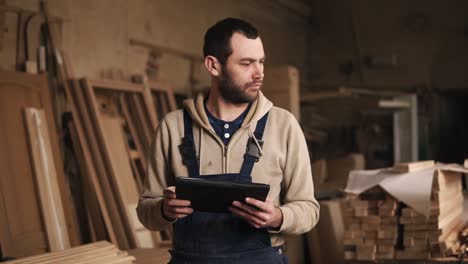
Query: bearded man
pixel 218 128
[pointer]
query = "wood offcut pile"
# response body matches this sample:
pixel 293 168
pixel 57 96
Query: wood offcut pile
pixel 380 228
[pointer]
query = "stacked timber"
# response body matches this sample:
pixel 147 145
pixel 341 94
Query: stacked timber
pixel 371 226
pixel 435 235
pixel 379 227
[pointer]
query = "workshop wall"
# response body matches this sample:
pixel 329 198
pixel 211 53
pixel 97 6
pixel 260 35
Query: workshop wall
pixel 96 35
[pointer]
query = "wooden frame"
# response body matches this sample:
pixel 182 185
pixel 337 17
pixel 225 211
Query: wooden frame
pixel 125 196
pixel 137 107
pixel 97 170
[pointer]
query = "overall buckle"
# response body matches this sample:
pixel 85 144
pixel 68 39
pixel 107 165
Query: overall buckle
pixel 253 150
pixel 187 150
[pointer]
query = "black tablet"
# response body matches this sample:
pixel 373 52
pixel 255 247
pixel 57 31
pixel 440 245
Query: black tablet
pixel 217 196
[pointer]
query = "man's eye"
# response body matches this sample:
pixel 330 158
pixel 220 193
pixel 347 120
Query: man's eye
pixel 245 63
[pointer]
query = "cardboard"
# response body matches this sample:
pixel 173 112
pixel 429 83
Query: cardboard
pixel 413 188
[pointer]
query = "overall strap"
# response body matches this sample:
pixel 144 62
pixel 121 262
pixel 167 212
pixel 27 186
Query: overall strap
pixel 252 153
pixel 187 148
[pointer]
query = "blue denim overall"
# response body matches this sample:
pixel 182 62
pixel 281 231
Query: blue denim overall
pixel 204 237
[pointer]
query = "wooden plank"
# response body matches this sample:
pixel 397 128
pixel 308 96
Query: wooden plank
pixel 413 166
pixel 99 252
pixel 46 180
pixel 136 139
pixel 72 257
pixel 126 184
pixel 74 250
pixel 109 207
pixel 148 105
pixel 145 126
pixel 148 256
pixel 96 224
pixel 63 77
pixel 118 86
pixel 110 174
pixel 167 93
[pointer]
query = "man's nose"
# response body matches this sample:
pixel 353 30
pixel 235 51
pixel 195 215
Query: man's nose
pixel 258 71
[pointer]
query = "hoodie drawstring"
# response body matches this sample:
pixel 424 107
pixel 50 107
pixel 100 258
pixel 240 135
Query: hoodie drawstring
pixel 252 135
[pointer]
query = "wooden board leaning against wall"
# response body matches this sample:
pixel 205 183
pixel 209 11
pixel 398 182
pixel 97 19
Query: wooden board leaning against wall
pixel 22 231
pixel 119 120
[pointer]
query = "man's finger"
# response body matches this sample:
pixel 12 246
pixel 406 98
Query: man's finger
pixel 246 216
pixel 248 208
pixel 259 214
pixel 177 202
pixel 181 210
pixel 170 192
pixel 257 203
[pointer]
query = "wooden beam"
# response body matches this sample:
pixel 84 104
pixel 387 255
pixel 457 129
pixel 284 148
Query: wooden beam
pixel 182 54
pixel 46 180
pixel 116 86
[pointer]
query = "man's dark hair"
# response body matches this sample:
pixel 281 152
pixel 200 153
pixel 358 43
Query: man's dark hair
pixel 218 37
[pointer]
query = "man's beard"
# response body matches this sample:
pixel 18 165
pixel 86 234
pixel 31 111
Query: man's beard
pixel 233 93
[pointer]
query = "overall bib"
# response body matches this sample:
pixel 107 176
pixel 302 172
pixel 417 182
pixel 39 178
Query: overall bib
pixel 204 237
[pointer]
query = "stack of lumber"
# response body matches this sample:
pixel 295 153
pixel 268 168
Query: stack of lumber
pixel 435 235
pixel 379 227
pixel 96 253
pixel 371 223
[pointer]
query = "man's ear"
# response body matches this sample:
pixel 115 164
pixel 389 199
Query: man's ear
pixel 212 65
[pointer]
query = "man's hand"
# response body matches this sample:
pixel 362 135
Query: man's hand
pixel 257 213
pixel 173 208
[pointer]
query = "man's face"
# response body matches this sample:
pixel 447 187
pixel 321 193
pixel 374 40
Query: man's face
pixel 242 76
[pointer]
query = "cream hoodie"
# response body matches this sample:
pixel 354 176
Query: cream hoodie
pixel 284 165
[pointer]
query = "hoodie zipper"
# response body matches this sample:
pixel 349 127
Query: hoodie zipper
pixel 225 147
pixel 225 158
pixel 224 150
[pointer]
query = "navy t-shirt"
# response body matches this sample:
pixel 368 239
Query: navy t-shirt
pixel 224 129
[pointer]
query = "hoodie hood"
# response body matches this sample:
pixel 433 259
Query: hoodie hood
pixel 196 110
